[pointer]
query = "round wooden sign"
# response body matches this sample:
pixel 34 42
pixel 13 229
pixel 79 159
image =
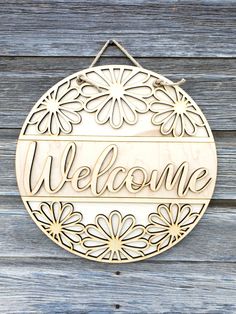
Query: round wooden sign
pixel 116 163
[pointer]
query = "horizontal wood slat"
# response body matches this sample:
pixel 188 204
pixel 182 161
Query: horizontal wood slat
pixel 156 28
pixel 79 286
pixel 211 83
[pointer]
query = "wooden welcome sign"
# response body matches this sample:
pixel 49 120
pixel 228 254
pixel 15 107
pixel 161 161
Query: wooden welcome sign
pixel 116 163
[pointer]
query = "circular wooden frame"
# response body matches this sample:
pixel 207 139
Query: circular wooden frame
pixel 116 163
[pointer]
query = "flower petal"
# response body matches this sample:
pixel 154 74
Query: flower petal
pixel 157 238
pixel 62 238
pixel 157 229
pixel 141 90
pixel 97 233
pixel 116 117
pixel 71 236
pixel 167 126
pixel 175 212
pixel 139 244
pixel 41 217
pixel 73 106
pixel 69 95
pixel 71 116
pixel 190 127
pixel 135 102
pixel 157 106
pixel 128 112
pixel 46 211
pixel 158 220
pixel 134 233
pixel 37 115
pixel 56 210
pixel 104 111
pixel 160 117
pixel 72 219
pixel 178 127
pixel 163 96
pixel 115 223
pixel 44 123
pixel 164 213
pixel 97 103
pixel 64 122
pixel 66 212
pixel 94 243
pixel 184 213
pixel 76 228
pixel 54 124
pixel 195 117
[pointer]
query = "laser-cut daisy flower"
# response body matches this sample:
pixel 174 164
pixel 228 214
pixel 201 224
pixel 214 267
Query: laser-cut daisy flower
pixel 117 95
pixel 169 224
pixel 60 221
pixel 114 238
pixel 174 112
pixel 58 111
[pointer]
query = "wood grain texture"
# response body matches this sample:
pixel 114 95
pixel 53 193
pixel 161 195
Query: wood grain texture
pixel 210 82
pixel 165 28
pixel 79 286
pixel 226 149
pixel 44 41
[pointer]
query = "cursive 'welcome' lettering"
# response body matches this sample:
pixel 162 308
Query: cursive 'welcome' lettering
pixel 106 176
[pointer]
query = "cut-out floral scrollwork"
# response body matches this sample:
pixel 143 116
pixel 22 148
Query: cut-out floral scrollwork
pixel 115 238
pixel 120 95
pixel 169 224
pixel 175 112
pixel 58 111
pixel 61 222
pixel 117 95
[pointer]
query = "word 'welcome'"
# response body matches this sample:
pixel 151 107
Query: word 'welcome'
pixel 106 175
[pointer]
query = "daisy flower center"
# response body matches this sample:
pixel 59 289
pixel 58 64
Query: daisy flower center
pixel 180 107
pixel 116 91
pixel 174 230
pixel 115 244
pixel 56 228
pixel 53 106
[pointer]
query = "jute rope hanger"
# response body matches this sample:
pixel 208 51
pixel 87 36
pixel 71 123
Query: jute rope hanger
pixel 119 46
pixel 81 79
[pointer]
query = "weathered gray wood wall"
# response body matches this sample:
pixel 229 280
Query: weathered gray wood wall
pixel 43 41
